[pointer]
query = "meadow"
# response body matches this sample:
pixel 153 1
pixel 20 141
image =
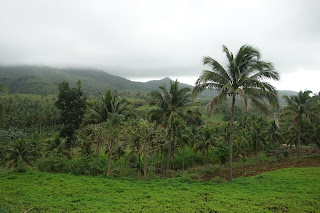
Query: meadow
pixel 284 190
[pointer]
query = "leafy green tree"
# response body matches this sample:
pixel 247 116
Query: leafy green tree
pixel 150 139
pixel 170 105
pixel 242 77
pixel 72 105
pixel 297 107
pixel 108 103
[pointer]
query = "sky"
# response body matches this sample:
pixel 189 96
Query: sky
pixel 147 39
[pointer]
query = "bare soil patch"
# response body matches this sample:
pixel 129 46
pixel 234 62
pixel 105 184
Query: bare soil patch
pixel 251 170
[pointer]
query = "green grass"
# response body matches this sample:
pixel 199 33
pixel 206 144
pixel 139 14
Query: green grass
pixel 286 190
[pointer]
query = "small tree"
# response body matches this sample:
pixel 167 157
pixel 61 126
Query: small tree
pixel 150 138
pixel 72 104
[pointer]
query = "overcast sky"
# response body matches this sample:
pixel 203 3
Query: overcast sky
pixel 144 40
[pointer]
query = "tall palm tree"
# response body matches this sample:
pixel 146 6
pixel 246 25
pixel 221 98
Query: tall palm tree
pixel 243 76
pixel 108 103
pixel 298 106
pixel 170 105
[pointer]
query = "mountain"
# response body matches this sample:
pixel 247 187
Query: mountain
pixel 45 80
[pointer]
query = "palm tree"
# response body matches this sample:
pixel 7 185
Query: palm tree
pixel 273 135
pixel 108 103
pixel 208 139
pixel 170 105
pixel 21 152
pixel 257 136
pixel 243 76
pixel 297 106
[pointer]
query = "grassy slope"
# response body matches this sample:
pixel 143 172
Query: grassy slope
pixel 293 190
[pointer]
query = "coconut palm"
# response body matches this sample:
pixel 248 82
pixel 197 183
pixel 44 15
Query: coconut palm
pixel 21 152
pixel 243 76
pixel 208 138
pixel 298 106
pixel 170 105
pixel 273 135
pixel 108 103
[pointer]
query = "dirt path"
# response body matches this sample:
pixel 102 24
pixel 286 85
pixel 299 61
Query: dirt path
pixel 251 170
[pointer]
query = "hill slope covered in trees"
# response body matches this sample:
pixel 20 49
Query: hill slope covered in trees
pixel 44 80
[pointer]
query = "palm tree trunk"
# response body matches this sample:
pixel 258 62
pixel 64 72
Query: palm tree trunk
pixel 144 165
pixel 173 156
pixel 138 166
pixel 231 136
pixel 183 158
pixel 98 150
pixel 261 157
pixel 299 140
pixel 207 160
pixel 170 145
pixel 109 158
pixel 193 160
pixel 70 150
pixel 219 172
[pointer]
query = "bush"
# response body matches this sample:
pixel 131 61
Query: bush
pixel 54 163
pixel 21 168
pixel 88 166
pixel 126 172
pixel 209 170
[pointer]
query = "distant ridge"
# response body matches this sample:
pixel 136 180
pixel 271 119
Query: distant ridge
pixel 45 80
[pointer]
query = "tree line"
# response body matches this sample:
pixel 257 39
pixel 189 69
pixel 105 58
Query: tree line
pixel 172 128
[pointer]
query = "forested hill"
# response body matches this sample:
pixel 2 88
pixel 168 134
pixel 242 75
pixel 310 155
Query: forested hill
pixel 44 80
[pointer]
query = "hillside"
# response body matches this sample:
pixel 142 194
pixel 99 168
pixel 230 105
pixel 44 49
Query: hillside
pixel 44 80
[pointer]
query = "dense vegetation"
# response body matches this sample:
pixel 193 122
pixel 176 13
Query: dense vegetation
pixel 162 133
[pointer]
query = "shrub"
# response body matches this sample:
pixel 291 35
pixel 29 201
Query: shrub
pixel 54 163
pixel 88 166
pixel 21 168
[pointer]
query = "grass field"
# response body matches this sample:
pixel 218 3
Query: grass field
pixel 285 190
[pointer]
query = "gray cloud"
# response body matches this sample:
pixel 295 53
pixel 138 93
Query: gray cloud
pixel 157 38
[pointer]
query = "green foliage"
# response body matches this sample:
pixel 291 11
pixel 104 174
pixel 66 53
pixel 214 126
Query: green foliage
pixel 242 77
pixel 72 104
pixel 297 107
pixel 108 103
pixel 55 163
pixel 20 152
pixel 88 166
pixel 285 190
pixel 29 111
